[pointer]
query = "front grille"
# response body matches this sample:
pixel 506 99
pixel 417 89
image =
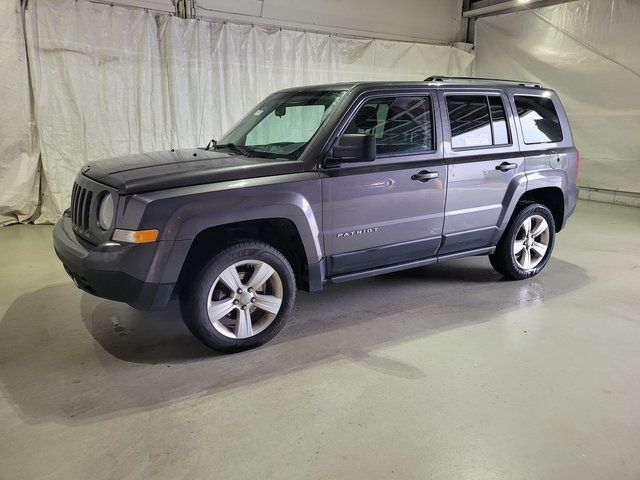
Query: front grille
pixel 85 197
pixel 80 208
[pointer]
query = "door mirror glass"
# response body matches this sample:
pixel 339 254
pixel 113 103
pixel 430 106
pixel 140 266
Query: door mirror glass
pixel 354 147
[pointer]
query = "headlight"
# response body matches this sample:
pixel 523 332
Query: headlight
pixel 106 210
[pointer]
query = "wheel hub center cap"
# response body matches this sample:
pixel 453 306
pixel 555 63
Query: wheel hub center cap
pixel 245 298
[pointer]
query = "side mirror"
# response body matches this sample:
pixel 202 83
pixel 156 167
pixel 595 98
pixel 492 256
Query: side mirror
pixel 354 147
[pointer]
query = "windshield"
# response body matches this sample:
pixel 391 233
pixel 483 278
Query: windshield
pixel 283 124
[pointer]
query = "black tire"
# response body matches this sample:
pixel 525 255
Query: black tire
pixel 504 260
pixel 194 296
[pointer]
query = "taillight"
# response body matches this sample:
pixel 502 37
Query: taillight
pixel 577 164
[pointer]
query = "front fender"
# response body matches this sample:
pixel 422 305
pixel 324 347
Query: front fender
pixel 180 214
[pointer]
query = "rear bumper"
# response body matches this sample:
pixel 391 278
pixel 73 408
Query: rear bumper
pixel 111 270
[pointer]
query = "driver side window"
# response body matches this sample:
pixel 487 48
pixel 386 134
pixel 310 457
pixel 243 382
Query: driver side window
pixel 401 125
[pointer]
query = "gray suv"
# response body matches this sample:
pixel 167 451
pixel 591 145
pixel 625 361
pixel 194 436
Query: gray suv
pixel 321 185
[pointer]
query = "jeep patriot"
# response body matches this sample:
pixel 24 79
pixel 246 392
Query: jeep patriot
pixel 325 184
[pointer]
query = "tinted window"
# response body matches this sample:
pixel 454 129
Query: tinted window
pixel 477 121
pixel 470 121
pixel 401 125
pixel 498 121
pixel 539 120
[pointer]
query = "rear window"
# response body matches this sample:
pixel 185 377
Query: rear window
pixel 539 119
pixel 477 121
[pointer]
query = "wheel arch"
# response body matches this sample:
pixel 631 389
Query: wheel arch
pixel 279 232
pixel 550 197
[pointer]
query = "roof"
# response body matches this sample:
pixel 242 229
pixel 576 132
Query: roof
pixel 433 82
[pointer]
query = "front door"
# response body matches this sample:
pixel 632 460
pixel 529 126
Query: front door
pixel 485 168
pixel 389 211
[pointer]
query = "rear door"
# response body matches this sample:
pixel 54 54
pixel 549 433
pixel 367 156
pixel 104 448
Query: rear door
pixel 486 168
pixel 391 210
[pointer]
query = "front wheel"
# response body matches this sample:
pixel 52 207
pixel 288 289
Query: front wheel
pixel 526 245
pixel 241 298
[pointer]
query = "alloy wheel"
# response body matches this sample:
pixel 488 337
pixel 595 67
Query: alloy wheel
pixel 245 299
pixel 531 242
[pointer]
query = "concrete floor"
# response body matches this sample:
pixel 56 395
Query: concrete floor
pixel 440 372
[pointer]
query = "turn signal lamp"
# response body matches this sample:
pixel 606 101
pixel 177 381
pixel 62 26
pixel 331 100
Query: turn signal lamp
pixel 135 236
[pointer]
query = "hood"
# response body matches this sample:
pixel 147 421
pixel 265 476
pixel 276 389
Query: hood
pixel 146 172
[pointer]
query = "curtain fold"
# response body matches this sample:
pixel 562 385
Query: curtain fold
pixel 110 81
pixel 97 87
pixel 588 52
pixel 19 182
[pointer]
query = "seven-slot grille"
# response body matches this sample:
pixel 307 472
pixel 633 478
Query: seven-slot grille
pixel 80 207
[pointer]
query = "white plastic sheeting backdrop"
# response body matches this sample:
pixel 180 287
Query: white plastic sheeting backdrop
pixel 110 81
pixel 589 52
pixel 18 149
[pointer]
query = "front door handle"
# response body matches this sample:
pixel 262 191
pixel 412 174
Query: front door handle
pixel 424 176
pixel 506 166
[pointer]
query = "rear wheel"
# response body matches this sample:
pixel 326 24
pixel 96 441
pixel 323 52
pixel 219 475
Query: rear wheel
pixel 241 298
pixel 526 245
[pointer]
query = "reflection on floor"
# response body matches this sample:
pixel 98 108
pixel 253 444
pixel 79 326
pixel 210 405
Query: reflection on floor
pixel 442 371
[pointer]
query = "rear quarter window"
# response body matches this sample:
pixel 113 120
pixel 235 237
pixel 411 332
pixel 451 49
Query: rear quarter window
pixel 538 119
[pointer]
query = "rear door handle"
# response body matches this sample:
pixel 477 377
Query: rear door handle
pixel 506 166
pixel 425 176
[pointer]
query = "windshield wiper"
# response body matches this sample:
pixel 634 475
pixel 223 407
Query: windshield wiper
pixel 212 143
pixel 246 151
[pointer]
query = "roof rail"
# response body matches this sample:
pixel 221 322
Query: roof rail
pixel 441 78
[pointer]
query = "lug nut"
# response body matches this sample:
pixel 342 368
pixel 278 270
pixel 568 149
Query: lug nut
pixel 249 289
pixel 235 302
pixel 239 290
pixel 244 307
pixel 253 300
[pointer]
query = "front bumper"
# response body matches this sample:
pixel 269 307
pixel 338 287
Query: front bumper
pixel 111 270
